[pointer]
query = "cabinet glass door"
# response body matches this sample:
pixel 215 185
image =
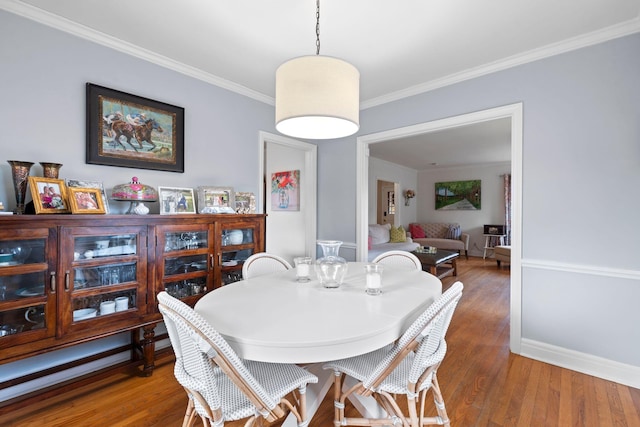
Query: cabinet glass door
pixel 237 243
pixel 185 254
pixel 104 278
pixel 27 287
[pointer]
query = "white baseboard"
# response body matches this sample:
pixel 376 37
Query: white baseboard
pixel 581 362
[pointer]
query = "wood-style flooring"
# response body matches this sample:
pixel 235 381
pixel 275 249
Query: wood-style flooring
pixel 482 382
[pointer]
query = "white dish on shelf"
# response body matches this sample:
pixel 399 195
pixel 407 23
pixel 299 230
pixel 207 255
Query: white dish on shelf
pixel 8 263
pixel 30 292
pixel 84 313
pixel 230 263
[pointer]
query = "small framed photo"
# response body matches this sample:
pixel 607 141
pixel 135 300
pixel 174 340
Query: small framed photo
pixel 216 200
pixel 245 203
pixel 90 184
pixel 49 195
pixel 175 201
pixel 86 200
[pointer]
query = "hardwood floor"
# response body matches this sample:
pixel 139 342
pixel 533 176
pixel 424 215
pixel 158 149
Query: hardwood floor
pixel 482 382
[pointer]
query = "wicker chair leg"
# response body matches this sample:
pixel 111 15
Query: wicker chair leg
pixel 439 401
pixel 338 406
pixel 190 414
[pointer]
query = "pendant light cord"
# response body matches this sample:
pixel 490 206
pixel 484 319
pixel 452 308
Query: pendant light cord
pixel 317 27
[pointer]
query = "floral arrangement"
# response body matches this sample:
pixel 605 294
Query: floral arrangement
pixel 285 180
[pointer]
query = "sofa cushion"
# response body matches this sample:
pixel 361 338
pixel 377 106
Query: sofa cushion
pixel 379 233
pixel 397 235
pixel 416 231
pixel 453 232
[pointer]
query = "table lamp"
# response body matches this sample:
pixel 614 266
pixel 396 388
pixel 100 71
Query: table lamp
pixel 136 193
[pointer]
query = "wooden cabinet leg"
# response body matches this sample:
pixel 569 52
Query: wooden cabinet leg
pixel 147 346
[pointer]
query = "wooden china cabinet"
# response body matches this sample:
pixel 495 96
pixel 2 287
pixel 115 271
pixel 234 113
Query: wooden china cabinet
pixel 57 272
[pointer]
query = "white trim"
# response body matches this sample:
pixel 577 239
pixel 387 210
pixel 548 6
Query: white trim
pixel 30 12
pixel 581 269
pixel 622 373
pixel 609 33
pixel 310 190
pixel 513 111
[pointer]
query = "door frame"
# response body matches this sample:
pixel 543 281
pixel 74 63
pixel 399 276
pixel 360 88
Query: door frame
pixel 512 111
pixel 308 191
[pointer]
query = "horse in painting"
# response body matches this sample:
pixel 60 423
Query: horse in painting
pixel 139 133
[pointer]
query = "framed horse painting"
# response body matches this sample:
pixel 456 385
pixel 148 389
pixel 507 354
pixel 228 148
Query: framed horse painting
pixel 131 131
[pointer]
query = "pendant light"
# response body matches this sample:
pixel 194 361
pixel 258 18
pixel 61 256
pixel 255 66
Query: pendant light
pixel 317 97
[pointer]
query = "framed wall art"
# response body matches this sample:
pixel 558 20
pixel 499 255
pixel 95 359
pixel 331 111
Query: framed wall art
pixel 49 195
pixel 458 195
pixel 131 131
pixel 285 191
pixel 85 200
pixel 71 183
pixel 245 202
pixel 175 201
pixel 216 200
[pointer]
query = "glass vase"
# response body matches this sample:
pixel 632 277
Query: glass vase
pixel 283 199
pixel 20 173
pixel 331 268
pixel 50 170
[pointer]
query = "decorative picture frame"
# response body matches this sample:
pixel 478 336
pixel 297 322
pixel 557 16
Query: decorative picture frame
pixel 285 190
pixel 131 131
pixel 86 200
pixel 458 195
pixel 245 202
pixel 49 195
pixel 176 201
pixel 216 200
pixel 75 183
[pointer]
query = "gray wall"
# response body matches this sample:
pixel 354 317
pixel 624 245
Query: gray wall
pixel 42 86
pixel 581 174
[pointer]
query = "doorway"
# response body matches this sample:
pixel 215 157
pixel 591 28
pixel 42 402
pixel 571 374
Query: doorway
pixel 289 233
pixel 386 206
pixel 515 113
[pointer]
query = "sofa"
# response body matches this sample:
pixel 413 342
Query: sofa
pixel 384 238
pixel 441 235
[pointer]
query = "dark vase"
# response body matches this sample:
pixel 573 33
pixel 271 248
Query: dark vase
pixel 50 170
pixel 20 173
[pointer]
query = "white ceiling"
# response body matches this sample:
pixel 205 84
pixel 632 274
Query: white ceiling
pixel 400 47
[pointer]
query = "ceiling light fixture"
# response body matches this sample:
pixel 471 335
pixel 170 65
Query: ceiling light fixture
pixel 317 97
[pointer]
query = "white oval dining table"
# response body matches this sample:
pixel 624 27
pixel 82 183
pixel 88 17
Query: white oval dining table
pixel 273 318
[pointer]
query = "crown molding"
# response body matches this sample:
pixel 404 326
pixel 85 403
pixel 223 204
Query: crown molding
pixel 68 26
pixel 585 40
pixel 30 12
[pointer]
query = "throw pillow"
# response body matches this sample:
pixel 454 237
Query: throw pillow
pixel 397 235
pixel 369 242
pixel 379 233
pixel 416 231
pixel 453 232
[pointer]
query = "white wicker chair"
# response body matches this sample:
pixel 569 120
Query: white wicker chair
pixel 222 387
pixel 407 367
pixel 399 259
pixel 263 263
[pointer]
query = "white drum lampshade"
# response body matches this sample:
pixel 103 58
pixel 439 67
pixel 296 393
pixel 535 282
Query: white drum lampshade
pixel 317 97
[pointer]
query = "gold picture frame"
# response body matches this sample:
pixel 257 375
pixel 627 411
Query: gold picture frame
pixel 86 200
pixel 49 195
